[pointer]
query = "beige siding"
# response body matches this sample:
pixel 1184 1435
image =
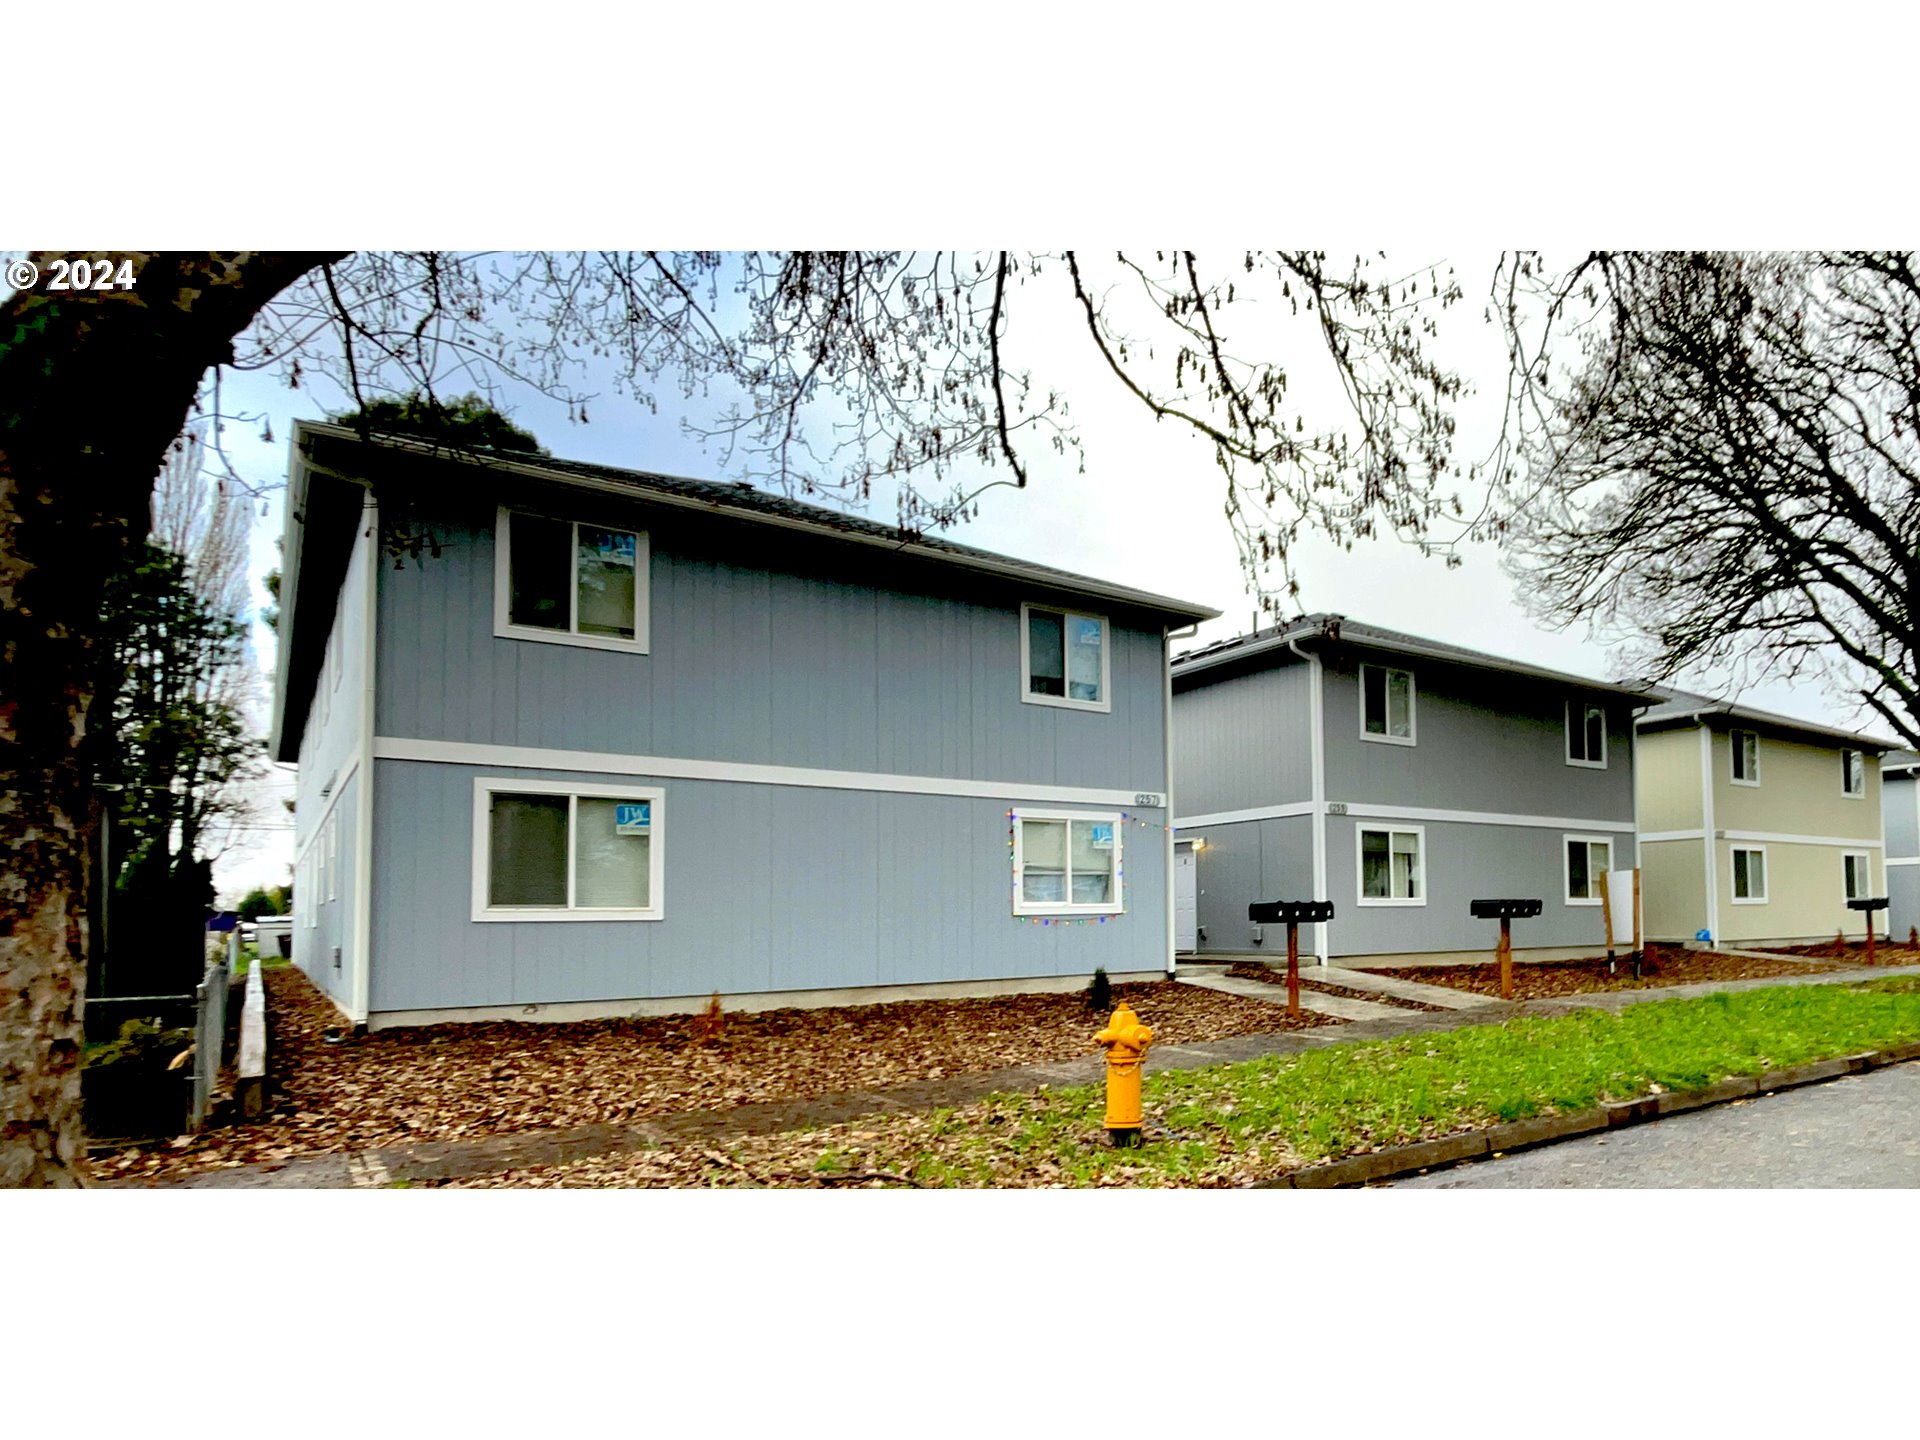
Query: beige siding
pixel 1673 887
pixel 1806 895
pixel 1666 768
pixel 1798 794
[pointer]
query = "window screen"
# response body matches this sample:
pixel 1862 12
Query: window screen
pixel 527 861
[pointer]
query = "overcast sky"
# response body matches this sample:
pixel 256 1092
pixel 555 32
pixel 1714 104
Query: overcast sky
pixel 1147 512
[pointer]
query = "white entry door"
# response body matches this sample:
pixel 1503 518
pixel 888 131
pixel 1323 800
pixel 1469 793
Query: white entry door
pixel 1186 901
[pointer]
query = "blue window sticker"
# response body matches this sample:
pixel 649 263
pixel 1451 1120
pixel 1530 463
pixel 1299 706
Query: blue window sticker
pixel 633 817
pixel 1103 835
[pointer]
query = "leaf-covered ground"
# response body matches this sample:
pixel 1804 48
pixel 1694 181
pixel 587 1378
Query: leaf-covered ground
pixel 464 1081
pixel 1666 966
pixel 1231 1124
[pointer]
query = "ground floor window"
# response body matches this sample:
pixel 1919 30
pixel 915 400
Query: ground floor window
pixel 1749 875
pixel 1856 874
pixel 1393 866
pixel 1588 858
pixel 1065 863
pixel 547 850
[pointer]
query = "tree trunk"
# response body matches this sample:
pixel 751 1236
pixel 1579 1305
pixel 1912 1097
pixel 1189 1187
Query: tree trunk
pixel 94 385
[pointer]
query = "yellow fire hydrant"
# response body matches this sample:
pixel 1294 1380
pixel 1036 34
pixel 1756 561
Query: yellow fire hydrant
pixel 1126 1041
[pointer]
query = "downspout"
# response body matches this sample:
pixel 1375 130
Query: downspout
pixel 1317 744
pixel 1166 723
pixel 363 817
pixel 1709 847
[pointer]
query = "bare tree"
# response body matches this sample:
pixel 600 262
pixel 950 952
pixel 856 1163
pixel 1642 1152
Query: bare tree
pixel 917 357
pixel 1727 472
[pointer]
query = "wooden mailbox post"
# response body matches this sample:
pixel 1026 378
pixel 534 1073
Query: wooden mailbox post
pixel 1868 906
pixel 1292 914
pixel 1506 912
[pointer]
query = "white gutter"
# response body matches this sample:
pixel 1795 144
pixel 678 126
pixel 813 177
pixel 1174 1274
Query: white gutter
pixel 1166 720
pixel 1317 743
pixel 363 817
pixel 1708 846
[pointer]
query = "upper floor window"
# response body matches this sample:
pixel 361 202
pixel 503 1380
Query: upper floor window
pixel 1586 735
pixel 1853 773
pixel 1064 658
pixel 570 582
pixel 1386 705
pixel 1746 757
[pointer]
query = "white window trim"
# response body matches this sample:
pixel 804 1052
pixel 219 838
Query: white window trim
pixel 1104 705
pixel 503 587
pixel 1024 906
pixel 1865 857
pixel 1766 874
pixel 1733 749
pixel 1861 793
pixel 1583 706
pixel 486 786
pixel 1413 708
pixel 1360 870
pixel 333 856
pixel 1566 866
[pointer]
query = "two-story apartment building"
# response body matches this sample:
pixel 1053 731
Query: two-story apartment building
pixel 1400 778
pixel 577 741
pixel 1755 828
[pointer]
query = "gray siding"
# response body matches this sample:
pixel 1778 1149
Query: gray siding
pixel 1903 900
pixel 313 948
pixel 1245 862
pixel 1463 862
pixel 779 666
pixel 1243 741
pixel 1897 800
pixel 1486 741
pixel 767 888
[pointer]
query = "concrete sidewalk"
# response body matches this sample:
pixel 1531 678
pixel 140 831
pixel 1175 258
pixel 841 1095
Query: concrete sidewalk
pixel 452 1159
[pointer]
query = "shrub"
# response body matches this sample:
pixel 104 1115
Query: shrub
pixel 1100 992
pixel 136 1084
pixel 711 1023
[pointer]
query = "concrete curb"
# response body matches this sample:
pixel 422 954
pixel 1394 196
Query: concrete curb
pixel 1448 1150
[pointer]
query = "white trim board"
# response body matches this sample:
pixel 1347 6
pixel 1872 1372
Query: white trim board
pixel 668 767
pixel 1854 842
pixel 1901 860
pixel 1403 812
pixel 1480 817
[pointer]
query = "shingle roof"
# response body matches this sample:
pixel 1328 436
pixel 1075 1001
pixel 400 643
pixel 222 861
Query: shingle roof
pixel 1683 705
pixel 749 503
pixel 1328 627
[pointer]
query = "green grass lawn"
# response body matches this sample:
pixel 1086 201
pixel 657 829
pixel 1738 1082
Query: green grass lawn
pixel 1237 1122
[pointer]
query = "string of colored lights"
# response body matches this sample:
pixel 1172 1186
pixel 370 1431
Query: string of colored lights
pixel 1119 876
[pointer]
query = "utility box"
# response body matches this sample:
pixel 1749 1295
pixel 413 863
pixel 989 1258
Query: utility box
pixel 1504 909
pixel 1290 912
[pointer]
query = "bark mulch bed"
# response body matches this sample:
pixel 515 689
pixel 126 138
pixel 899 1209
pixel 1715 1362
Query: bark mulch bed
pixel 448 1082
pixel 1854 952
pixel 1544 980
pixel 1244 970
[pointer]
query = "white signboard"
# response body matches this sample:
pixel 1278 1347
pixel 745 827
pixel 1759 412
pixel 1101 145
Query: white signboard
pixel 1620 890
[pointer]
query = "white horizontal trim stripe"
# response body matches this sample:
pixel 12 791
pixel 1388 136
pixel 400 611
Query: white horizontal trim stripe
pixel 1901 860
pixel 1672 835
pixel 525 757
pixel 331 800
pixel 1483 817
pixel 1239 817
pixel 1852 842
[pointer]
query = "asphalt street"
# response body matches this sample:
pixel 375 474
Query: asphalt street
pixel 1861 1132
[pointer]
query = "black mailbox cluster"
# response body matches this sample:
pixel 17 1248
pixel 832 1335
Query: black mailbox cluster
pixel 1290 912
pixel 1879 904
pixel 1504 909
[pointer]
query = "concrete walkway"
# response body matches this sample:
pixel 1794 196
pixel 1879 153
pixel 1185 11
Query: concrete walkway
pixel 1441 995
pixel 1341 1007
pixel 452 1159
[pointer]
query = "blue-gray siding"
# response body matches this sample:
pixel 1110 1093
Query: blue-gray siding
pixel 1898 815
pixel 1487 741
pixel 333 919
pixel 780 667
pixel 1463 862
pixel 1903 900
pixel 767 888
pixel 1242 863
pixel 1243 742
